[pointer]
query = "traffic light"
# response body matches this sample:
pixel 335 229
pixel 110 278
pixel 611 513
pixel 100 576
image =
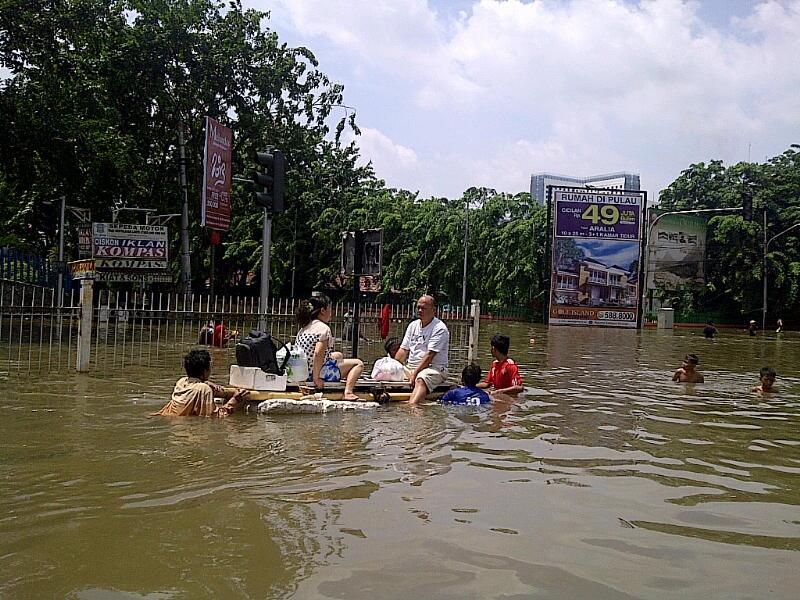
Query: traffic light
pixel 270 181
pixel 747 205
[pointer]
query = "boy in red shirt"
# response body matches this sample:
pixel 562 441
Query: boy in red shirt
pixel 504 375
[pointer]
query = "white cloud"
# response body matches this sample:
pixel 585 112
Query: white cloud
pixel 391 161
pixel 489 95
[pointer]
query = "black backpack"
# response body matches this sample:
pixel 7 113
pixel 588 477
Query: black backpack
pixel 258 349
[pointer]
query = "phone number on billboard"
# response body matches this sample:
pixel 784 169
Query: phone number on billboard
pixel 610 315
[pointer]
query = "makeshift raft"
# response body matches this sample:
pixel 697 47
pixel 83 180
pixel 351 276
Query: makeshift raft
pixel 367 390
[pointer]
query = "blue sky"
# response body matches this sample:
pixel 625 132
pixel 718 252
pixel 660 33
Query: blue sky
pixel 610 252
pixel 460 93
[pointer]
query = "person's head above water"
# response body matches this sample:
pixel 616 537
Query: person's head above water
pixel 691 360
pixel 471 375
pixel 768 373
pixel 501 343
pixel 197 363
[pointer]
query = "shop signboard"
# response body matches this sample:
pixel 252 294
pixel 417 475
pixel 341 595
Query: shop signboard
pixel 82 269
pixel 125 246
pixel 596 256
pixel 216 197
pixel 84 240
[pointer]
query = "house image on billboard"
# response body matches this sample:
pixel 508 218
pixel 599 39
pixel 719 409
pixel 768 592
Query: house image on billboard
pixel 589 282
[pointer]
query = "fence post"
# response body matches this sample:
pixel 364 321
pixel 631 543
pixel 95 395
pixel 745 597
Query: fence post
pixel 474 330
pixel 85 326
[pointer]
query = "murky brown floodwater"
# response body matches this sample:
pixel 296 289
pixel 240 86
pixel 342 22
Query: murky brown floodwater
pixel 605 480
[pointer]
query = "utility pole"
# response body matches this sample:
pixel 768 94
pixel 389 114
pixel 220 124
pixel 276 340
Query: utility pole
pixel 61 253
pixel 266 241
pixel 186 260
pixel 764 278
pixel 466 252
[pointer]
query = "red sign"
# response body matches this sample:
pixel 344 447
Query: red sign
pixel 215 237
pixel 216 206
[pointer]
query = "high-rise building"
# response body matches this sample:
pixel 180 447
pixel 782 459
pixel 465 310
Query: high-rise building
pixel 616 181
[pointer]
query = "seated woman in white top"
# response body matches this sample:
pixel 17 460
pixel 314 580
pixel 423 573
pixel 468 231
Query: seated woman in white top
pixel 316 340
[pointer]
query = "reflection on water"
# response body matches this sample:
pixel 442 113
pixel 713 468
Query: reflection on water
pixel 604 480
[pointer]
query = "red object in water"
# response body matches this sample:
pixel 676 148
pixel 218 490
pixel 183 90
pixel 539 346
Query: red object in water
pixel 386 318
pixel 215 237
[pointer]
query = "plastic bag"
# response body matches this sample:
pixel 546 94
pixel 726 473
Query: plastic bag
pixel 388 369
pixel 297 365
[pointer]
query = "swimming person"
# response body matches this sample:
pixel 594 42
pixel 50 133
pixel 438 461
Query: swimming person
pixel 469 393
pixel 766 378
pixel 316 340
pixel 710 330
pixel 688 372
pixel 194 394
pixel 425 346
pixel 752 328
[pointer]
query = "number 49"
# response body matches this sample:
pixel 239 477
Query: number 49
pixel 608 214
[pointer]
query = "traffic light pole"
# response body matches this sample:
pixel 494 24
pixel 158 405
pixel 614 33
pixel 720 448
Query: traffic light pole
pixel 266 241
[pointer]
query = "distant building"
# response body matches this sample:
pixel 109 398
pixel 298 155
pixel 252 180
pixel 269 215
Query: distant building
pixel 616 181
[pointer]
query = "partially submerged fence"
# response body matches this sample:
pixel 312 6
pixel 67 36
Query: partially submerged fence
pixel 130 330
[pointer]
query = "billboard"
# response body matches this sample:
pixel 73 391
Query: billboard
pixel 122 246
pixel 676 251
pixel 595 258
pixel 216 201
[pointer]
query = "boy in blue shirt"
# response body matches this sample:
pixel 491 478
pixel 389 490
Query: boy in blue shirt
pixel 469 393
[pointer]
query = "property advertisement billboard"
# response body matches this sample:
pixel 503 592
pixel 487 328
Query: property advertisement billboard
pixel 216 201
pixel 676 250
pixel 122 246
pixel 595 258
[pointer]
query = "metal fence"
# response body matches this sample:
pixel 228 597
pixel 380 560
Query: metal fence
pixel 133 330
pixel 35 334
pixel 25 268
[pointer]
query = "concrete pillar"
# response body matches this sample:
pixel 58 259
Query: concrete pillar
pixel 85 326
pixel 474 330
pixel 666 318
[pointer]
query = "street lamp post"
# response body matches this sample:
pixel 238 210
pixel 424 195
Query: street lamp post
pixel 767 242
pixel 674 212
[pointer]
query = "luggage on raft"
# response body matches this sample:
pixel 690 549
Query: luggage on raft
pixel 260 350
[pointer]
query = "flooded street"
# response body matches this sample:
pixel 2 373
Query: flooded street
pixel 604 480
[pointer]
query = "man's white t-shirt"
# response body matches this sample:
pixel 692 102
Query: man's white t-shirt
pixel 419 340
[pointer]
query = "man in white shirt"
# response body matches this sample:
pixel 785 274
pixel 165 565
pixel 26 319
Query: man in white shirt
pixel 425 346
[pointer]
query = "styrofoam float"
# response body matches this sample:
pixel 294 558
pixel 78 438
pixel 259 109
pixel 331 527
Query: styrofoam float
pixel 312 404
pixel 253 378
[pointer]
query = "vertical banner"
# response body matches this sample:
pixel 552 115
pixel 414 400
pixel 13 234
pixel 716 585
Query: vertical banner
pixel 596 255
pixel 677 250
pixel 216 204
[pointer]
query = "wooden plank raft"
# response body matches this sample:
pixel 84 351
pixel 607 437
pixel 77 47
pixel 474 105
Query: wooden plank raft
pixel 367 390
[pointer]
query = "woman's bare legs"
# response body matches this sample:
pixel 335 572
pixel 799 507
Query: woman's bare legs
pixel 351 368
